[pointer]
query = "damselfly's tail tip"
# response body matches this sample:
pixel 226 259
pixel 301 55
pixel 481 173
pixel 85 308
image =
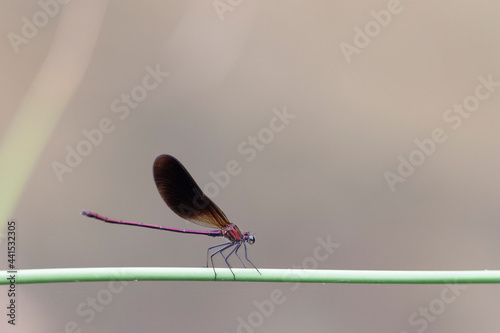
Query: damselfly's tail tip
pixel 87 213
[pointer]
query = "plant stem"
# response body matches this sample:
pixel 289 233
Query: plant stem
pixel 55 275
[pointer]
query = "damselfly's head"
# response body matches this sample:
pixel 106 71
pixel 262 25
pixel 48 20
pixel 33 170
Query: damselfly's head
pixel 250 238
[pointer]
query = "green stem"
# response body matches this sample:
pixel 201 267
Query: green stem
pixel 223 274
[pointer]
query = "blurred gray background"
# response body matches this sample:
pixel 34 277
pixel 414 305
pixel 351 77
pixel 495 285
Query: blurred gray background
pixel 363 82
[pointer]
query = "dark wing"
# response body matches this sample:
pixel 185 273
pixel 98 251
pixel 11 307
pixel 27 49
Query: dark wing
pixel 181 193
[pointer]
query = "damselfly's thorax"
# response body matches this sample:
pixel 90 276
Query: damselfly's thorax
pixel 233 233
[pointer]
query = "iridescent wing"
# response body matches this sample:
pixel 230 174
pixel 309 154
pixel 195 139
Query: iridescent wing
pixel 181 193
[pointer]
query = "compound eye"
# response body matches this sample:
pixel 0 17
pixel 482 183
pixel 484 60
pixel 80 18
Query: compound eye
pixel 251 239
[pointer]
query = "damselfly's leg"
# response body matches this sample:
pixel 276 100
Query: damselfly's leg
pixel 230 253
pixel 213 247
pixel 236 253
pixel 246 257
pixel 227 245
